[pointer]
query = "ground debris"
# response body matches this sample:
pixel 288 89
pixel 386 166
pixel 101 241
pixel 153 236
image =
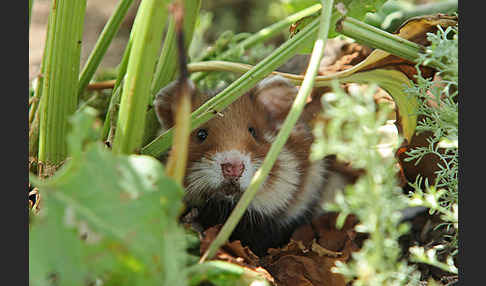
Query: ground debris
pixel 306 260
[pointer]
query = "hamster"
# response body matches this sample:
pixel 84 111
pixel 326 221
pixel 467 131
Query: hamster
pixel 225 152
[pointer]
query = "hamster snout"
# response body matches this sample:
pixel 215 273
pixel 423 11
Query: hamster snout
pixel 228 172
pixel 232 170
pixel 232 163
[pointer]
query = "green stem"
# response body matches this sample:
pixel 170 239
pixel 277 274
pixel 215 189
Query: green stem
pixel 102 44
pixel 136 88
pixel 34 112
pixel 112 114
pixel 272 30
pixel 34 137
pixel 61 71
pixel 122 70
pixel 36 98
pixel 237 88
pixel 31 3
pixel 167 64
pixel 404 10
pixel 379 39
pixel 288 125
pixel 264 34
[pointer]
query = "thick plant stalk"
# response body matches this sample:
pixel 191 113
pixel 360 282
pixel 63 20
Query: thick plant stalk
pixel 376 38
pixel 294 114
pixel 61 71
pixel 237 88
pixel 102 44
pixel 167 65
pixel 147 37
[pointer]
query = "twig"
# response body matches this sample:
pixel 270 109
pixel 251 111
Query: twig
pixel 176 164
pixel 108 84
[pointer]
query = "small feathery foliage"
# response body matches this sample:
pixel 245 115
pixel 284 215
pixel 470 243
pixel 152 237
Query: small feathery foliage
pixel 353 134
pixel 439 109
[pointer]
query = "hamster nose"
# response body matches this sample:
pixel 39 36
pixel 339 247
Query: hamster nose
pixel 232 170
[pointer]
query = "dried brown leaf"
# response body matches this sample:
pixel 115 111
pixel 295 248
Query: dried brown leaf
pixel 312 253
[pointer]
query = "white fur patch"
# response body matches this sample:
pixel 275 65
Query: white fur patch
pixel 312 185
pixel 269 137
pixel 276 196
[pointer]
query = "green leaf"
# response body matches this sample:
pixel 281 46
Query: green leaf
pixel 222 273
pixel 124 207
pixel 395 83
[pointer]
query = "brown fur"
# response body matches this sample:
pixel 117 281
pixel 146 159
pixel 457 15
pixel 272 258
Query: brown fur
pixel 261 109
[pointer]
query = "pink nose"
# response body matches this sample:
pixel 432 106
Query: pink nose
pixel 232 170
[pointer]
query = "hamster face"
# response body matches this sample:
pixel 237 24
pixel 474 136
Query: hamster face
pixel 226 152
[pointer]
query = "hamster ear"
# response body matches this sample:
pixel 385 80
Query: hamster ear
pixel 276 94
pixel 164 103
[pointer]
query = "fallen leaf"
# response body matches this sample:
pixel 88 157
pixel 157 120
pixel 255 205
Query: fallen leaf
pixel 307 259
pixel 312 252
pixel 321 251
pixel 231 251
pixel 427 166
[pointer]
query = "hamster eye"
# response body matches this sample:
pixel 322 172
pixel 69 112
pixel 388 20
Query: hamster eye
pixel 252 132
pixel 202 134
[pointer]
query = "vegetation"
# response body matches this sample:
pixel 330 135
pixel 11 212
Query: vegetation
pixel 440 117
pixel 376 198
pixel 107 213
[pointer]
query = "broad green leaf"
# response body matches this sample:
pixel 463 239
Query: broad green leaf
pixel 124 205
pixel 374 69
pixel 48 256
